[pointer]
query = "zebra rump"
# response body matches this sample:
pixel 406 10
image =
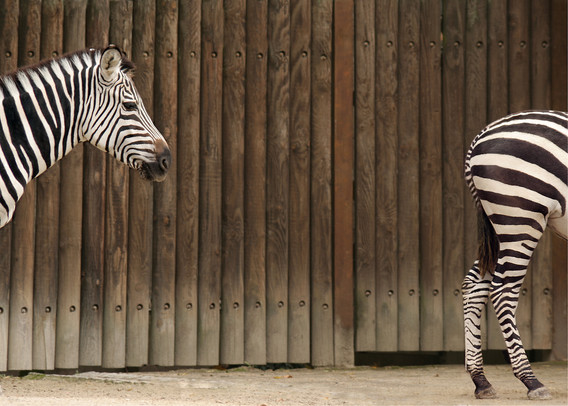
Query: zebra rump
pixel 521 152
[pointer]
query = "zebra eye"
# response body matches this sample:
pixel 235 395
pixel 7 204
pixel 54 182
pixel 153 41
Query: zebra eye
pixel 130 106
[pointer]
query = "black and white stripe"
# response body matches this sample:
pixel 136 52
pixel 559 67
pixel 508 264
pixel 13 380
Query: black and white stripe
pixel 48 109
pixel 517 172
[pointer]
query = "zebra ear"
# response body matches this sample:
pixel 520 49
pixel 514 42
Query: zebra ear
pixel 110 63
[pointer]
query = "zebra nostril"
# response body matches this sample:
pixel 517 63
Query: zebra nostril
pixel 165 161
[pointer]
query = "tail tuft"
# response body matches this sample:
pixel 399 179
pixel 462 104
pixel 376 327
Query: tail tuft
pixel 488 251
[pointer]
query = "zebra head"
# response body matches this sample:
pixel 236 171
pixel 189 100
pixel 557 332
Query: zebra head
pixel 119 123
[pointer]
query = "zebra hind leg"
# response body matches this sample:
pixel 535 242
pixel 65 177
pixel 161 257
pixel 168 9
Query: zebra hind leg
pixel 475 291
pixel 505 289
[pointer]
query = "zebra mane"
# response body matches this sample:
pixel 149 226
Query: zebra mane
pixel 85 57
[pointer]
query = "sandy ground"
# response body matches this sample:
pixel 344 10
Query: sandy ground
pixel 439 385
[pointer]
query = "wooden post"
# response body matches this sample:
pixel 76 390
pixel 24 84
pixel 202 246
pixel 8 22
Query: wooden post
pixel 321 187
pixel 94 179
pixel 386 168
pixel 431 238
pixel 8 63
pixel 299 251
pixel 559 247
pixel 541 264
pixel 343 168
pixel 255 183
pixel 211 154
pixel 454 193
pixel 187 239
pixel 116 219
pixel 140 194
pixel 47 218
pixel 365 177
pixel 23 223
pixel 233 127
pixel 162 328
pixel 408 177
pixel 277 181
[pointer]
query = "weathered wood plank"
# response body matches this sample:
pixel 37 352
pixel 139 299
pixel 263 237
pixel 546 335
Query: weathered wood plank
pixel 343 171
pixel 116 219
pixel 386 164
pixel 210 204
pixel 232 314
pixel 255 183
pixel 139 281
pixel 454 193
pixel 162 327
pixel 277 181
pixel 23 222
pixel 8 63
pixel 408 178
pixel 558 34
pixel 321 184
pixel 187 239
pixel 431 221
pixel 47 218
pixel 70 218
pixel 94 198
pixel 299 269
pixel 541 264
pixel 365 177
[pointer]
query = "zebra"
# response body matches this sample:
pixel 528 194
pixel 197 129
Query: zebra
pixel 517 172
pixel 48 109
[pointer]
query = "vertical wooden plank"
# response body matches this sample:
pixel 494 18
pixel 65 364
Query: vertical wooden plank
pixel 210 183
pixel 277 181
pixel 541 263
pixel 94 198
pixel 321 186
pixel 8 63
pixel 497 107
pixel 162 328
pixel 475 98
pixel 520 99
pixel 255 182
pixel 343 171
pixel 431 222
pixel 475 120
pixel 365 179
pixel 188 182
pixel 454 194
pixel 116 219
pixel 139 281
pixel 408 178
pixel 386 164
pixel 47 217
pixel 23 223
pixel 70 216
pixel 299 270
pixel 232 298
pixel 559 31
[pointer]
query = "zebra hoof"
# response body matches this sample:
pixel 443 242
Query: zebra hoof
pixel 539 394
pixel 486 393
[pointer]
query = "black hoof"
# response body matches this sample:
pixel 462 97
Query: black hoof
pixel 486 393
pixel 539 394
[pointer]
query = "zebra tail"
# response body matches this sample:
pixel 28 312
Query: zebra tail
pixel 488 250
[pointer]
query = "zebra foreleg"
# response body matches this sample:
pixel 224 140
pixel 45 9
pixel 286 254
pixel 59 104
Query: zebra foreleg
pixel 475 291
pixel 505 297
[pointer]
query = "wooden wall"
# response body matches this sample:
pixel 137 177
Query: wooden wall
pixel 315 206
